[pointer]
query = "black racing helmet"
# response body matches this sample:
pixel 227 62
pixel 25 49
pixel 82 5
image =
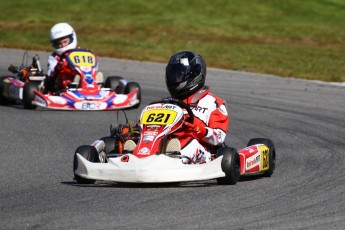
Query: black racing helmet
pixel 185 74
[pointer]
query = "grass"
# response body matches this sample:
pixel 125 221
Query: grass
pixel 294 38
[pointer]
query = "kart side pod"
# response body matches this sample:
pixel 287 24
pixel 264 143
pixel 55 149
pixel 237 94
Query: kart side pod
pixel 258 158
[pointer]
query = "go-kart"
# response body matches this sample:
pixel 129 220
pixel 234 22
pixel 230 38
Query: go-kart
pixel 86 93
pixel 21 86
pixel 155 157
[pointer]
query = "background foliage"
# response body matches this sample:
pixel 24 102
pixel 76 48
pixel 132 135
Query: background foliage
pixel 293 38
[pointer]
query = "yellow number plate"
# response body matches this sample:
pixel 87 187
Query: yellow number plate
pixel 80 58
pixel 265 159
pixel 158 117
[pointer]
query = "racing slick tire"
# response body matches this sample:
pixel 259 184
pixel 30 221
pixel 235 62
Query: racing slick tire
pixel 272 153
pixel 28 94
pixel 130 86
pixel 3 100
pixel 89 153
pixel 230 166
pixel 114 82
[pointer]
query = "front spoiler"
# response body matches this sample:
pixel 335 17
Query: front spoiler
pixel 151 169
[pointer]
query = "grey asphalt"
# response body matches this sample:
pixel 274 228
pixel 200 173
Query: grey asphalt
pixel 305 120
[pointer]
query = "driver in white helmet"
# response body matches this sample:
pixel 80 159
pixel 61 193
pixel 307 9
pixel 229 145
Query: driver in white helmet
pixel 63 38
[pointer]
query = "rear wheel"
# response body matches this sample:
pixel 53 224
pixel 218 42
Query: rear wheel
pixel 3 99
pixel 115 83
pixel 271 155
pixel 130 86
pixel 89 153
pixel 230 166
pixel 28 94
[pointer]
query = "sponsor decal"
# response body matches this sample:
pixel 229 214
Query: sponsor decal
pixel 90 105
pixel 144 151
pixel 148 138
pixel 153 128
pixel 172 107
pixel 200 109
pixel 252 161
pixel 125 158
pixel 154 107
pixel 150 133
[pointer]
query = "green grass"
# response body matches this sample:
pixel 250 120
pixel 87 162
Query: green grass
pixel 295 38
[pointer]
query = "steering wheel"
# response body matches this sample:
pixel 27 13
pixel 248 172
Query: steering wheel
pixel 64 54
pixel 179 103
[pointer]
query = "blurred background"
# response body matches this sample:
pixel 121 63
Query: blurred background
pixel 292 38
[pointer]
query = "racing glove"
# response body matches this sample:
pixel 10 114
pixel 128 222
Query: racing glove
pixel 197 127
pixel 60 65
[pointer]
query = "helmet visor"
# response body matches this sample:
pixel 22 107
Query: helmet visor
pixel 177 73
pixel 62 42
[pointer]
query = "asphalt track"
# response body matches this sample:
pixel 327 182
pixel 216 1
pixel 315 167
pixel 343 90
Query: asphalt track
pixel 305 119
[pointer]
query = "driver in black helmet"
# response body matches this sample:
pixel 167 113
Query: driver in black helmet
pixel 185 80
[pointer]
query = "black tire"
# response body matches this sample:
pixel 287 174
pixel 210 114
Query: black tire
pixel 115 83
pixel 230 166
pixel 130 86
pixel 271 155
pixel 28 94
pixel 3 99
pixel 110 144
pixel 89 153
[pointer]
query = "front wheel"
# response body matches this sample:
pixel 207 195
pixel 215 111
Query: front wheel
pixel 115 83
pixel 230 166
pixel 271 154
pixel 29 95
pixel 89 153
pixel 130 86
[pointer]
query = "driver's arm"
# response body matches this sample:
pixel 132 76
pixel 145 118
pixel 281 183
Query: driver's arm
pixel 52 62
pixel 217 126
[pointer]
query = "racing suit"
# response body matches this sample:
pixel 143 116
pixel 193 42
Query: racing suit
pixel 58 74
pixel 212 121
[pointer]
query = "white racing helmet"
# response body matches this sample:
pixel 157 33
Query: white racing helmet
pixel 62 30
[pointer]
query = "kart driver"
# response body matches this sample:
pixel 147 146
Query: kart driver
pixel 185 80
pixel 63 38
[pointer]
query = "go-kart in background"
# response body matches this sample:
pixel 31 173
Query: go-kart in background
pixel 305 119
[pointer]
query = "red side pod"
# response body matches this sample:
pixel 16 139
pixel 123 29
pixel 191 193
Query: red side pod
pixel 250 159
